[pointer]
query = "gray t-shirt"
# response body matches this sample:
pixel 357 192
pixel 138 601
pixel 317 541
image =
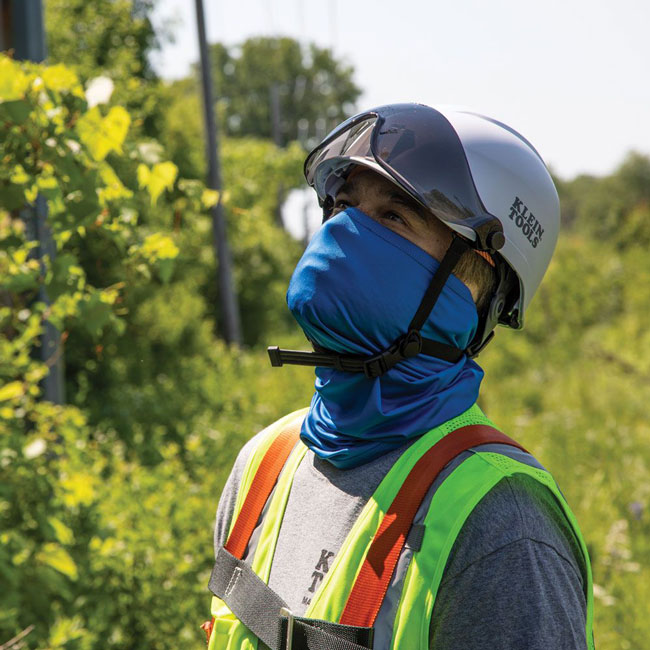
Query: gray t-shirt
pixel 514 578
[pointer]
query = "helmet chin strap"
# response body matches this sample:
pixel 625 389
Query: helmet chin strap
pixel 406 346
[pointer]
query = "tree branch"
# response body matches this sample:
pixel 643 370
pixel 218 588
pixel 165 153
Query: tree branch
pixel 16 642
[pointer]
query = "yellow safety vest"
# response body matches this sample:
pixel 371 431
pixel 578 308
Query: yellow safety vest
pixel 451 504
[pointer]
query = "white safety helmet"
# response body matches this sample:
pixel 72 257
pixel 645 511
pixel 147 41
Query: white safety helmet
pixel 476 174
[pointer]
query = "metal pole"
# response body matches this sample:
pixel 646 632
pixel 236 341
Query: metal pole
pixel 28 42
pixel 229 306
pixel 29 35
pixel 276 130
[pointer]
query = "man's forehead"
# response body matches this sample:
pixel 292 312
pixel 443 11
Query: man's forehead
pixel 361 175
pixel 364 179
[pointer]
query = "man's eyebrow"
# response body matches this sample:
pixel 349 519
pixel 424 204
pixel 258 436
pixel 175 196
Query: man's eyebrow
pixel 347 187
pixel 409 203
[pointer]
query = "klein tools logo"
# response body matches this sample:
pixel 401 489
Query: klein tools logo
pixel 525 220
pixel 321 568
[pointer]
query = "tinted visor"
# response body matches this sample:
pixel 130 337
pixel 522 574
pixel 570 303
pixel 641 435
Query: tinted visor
pixel 418 148
pixel 350 141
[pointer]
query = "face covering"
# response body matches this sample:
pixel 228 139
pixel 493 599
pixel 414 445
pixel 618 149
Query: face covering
pixel 354 291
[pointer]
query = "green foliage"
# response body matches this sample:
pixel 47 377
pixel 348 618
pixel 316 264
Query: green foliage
pixel 130 381
pixel 113 38
pixel 107 504
pixel 112 35
pixel 314 92
pixel 264 255
pixel 310 83
pixel 157 179
pixel 54 147
pixel 573 386
pixel 614 209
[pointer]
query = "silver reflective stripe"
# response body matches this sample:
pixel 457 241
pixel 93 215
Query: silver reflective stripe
pixel 511 452
pixel 249 553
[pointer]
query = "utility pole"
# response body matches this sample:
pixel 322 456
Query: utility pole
pixel 229 305
pixel 22 31
pixel 276 130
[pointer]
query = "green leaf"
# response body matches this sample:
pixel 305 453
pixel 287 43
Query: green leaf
pixel 101 135
pixel 95 314
pixel 66 276
pixel 165 268
pixel 21 281
pixel 19 175
pixel 79 489
pixel 65 632
pixel 56 557
pixel 158 246
pixel 114 188
pixel 192 188
pixel 59 78
pixel 209 198
pixel 12 197
pixel 49 187
pixel 16 111
pixel 31 193
pixel 160 177
pixel 12 390
pixel 62 532
pixel 144 173
pixel 13 81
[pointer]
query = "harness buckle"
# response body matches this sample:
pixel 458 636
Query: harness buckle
pixel 285 612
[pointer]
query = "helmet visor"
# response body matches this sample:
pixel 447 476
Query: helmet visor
pixel 418 148
pixel 348 142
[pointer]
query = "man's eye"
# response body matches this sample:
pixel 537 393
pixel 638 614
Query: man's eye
pixel 393 216
pixel 341 204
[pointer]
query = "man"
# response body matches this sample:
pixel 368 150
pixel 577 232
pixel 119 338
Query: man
pixel 403 518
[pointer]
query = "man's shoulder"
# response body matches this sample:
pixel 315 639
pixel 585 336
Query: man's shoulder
pixel 252 443
pixel 515 577
pixel 228 497
pixel 517 508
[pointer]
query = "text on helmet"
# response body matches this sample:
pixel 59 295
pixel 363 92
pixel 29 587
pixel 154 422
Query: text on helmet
pixel 525 220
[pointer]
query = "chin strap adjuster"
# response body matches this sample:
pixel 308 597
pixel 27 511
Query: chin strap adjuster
pixel 405 347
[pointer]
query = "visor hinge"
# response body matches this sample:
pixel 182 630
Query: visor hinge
pixel 474 350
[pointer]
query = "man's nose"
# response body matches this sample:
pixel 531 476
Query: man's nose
pixel 368 209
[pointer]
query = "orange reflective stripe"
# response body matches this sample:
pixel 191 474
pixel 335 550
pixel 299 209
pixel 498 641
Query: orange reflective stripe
pixel 370 587
pixel 260 489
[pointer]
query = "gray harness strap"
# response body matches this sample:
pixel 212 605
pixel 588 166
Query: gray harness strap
pixel 313 634
pixel 265 614
pixel 247 596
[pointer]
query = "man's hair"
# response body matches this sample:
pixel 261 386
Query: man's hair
pixel 474 269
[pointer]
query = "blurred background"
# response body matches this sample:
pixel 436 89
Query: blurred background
pixel 142 279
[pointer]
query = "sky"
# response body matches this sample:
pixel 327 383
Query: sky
pixel 573 76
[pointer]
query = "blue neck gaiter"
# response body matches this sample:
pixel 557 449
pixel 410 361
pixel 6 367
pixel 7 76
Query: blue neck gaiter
pixel 354 291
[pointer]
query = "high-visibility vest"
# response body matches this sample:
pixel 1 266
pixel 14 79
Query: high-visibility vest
pixel 405 621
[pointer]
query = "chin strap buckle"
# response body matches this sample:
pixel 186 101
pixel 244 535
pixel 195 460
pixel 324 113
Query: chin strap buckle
pixel 409 345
